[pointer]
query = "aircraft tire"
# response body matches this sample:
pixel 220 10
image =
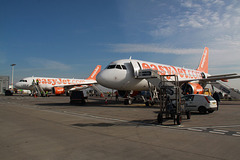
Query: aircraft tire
pixel 188 113
pixel 179 119
pixel 147 104
pixel 152 103
pixel 127 101
pixel 160 118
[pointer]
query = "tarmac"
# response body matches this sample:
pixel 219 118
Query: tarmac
pixel 49 128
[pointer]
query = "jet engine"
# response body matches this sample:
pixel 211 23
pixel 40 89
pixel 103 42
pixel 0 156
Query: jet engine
pixel 58 90
pixel 192 88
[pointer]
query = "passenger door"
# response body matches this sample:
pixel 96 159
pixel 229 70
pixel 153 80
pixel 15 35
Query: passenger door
pixel 136 68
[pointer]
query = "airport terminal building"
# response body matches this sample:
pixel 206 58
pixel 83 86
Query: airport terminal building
pixel 4 84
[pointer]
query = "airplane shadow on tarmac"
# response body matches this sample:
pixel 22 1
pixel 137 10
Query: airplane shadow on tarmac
pixel 98 104
pixel 54 104
pixel 148 122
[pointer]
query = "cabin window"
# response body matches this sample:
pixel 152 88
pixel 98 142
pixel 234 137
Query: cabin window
pixel 23 80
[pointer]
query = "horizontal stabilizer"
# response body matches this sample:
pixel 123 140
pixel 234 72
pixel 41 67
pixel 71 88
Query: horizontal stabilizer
pixel 222 75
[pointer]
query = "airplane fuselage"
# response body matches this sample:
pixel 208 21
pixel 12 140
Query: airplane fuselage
pixel 48 83
pixel 60 84
pixel 122 74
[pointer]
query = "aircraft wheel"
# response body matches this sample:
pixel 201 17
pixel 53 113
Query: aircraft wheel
pixel 188 113
pixel 160 118
pixel 147 103
pixel 127 101
pixel 179 119
pixel 152 103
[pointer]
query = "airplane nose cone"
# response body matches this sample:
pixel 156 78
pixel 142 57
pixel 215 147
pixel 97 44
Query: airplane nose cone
pixel 111 78
pixel 17 85
pixel 102 78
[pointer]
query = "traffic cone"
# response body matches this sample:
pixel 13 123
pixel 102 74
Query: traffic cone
pixel 106 101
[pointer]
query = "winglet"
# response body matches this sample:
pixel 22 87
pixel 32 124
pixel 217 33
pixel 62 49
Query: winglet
pixel 203 66
pixel 94 73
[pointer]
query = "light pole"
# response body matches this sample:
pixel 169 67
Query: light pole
pixel 12 72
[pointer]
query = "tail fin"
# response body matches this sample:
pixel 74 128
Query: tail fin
pixel 94 73
pixel 203 66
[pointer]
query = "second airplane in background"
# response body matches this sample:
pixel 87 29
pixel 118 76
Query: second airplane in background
pixel 58 85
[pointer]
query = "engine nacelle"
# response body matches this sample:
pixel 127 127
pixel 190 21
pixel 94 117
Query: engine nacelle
pixel 192 88
pixel 204 75
pixel 58 90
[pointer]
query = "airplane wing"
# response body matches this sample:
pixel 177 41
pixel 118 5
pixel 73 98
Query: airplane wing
pixel 81 87
pixel 222 77
pixel 88 82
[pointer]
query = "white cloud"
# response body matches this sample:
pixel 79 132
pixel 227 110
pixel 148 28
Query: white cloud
pixel 209 16
pixel 152 48
pixel 46 64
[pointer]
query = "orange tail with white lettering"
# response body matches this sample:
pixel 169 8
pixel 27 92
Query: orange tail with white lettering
pixel 203 66
pixel 95 73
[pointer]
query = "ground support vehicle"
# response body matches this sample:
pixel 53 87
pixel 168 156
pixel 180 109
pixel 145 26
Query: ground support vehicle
pixel 8 93
pixel 200 102
pixel 78 97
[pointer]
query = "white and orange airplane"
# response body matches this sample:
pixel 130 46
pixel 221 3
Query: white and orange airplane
pixel 59 85
pixel 123 75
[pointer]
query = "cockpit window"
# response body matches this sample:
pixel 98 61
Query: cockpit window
pixel 23 80
pixel 111 66
pixel 124 67
pixel 117 67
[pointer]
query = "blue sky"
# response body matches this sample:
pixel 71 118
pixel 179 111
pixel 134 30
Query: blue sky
pixel 68 38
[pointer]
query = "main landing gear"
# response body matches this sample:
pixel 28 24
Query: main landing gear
pixel 128 101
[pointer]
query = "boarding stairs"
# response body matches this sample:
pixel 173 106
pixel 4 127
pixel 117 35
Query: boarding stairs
pixel 98 90
pixel 226 89
pixel 38 90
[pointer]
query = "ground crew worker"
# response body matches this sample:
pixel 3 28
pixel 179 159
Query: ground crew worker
pixel 116 96
pixel 217 98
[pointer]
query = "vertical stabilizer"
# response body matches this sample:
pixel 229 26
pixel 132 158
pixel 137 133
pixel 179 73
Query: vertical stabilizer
pixel 203 66
pixel 95 73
